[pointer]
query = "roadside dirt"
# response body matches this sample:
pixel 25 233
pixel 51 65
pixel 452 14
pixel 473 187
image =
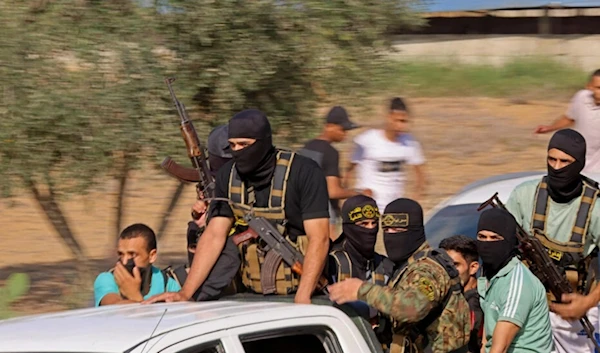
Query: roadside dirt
pixel 464 139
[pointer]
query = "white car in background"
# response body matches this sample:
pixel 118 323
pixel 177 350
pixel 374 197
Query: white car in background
pixel 458 214
pixel 234 326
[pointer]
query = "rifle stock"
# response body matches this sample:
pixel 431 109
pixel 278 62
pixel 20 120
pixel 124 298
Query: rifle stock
pixel 542 266
pixel 188 175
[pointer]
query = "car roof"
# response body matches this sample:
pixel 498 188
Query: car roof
pixel 117 328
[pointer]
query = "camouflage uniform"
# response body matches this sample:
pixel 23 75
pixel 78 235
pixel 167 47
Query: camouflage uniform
pixel 414 292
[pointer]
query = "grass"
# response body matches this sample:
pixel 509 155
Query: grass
pixel 536 78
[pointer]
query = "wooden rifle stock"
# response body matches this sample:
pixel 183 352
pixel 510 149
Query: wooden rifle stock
pixel 542 266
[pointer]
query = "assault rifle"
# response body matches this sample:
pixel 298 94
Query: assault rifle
pixel 540 263
pixel 259 227
pixel 201 173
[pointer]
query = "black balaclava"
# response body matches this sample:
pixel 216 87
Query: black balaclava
pixel 565 184
pixel 408 214
pixel 496 254
pixel 360 240
pixel 192 239
pixel 255 163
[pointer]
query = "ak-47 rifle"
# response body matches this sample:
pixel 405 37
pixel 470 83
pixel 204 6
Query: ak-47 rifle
pixel 259 227
pixel 540 263
pixel 201 173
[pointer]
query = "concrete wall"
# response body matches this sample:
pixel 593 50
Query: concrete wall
pixel 578 50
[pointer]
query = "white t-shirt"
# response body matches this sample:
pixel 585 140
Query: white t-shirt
pixel 586 114
pixel 381 164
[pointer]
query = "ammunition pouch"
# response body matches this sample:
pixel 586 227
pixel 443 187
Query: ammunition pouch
pixel 580 271
pixel 263 270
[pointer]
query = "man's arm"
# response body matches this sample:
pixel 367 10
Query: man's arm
pixel 410 301
pixel 336 191
pixel 503 335
pixel 317 231
pixel 106 290
pixel 420 181
pixel 113 299
pixel 208 250
pixel 560 123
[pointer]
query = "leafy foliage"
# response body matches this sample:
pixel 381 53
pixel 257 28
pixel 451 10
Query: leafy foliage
pixel 17 285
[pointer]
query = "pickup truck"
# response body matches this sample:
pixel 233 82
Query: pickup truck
pixel 234 325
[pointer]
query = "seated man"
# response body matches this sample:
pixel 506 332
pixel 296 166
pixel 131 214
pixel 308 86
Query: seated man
pixel 353 252
pixel 229 262
pixel 137 246
pixel 217 284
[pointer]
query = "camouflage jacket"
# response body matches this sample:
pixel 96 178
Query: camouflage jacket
pixel 421 287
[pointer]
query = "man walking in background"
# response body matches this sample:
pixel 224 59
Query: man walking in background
pixel 337 125
pixel 583 116
pixel 381 156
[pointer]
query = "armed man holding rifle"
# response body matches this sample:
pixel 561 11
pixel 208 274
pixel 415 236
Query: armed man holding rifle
pixel 286 189
pixel 561 212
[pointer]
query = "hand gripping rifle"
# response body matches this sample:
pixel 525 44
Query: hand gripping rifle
pixel 201 173
pixel 540 263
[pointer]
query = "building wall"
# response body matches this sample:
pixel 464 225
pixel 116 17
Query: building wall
pixel 578 50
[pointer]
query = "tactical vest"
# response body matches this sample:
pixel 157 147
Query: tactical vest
pixel 413 338
pixel 262 270
pixel 580 271
pixel 344 268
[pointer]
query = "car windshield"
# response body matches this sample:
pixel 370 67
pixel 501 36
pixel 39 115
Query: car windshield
pixel 452 220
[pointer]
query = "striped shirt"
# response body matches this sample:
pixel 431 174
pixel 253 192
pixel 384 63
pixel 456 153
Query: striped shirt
pixel 515 295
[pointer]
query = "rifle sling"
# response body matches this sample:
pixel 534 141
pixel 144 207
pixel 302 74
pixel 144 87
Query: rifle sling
pixel 268 272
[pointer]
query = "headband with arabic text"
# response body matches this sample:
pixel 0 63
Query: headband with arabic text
pixel 361 213
pixel 394 220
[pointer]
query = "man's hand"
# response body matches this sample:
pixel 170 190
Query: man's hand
pixel 573 307
pixel 542 129
pixel 302 299
pixel 200 207
pixel 167 297
pixel 129 286
pixel 345 291
pixel 367 192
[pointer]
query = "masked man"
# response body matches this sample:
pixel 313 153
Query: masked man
pixel 561 211
pixel 424 296
pixel 512 298
pixel 287 189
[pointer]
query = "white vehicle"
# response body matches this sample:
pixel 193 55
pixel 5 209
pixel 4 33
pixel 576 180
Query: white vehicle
pixel 458 214
pixel 207 327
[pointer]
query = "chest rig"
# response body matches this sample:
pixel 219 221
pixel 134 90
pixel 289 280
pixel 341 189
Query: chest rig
pixel 413 337
pixel 580 271
pixel 262 270
pixel 344 268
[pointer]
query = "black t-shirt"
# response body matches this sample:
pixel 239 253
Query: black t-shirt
pixel 305 198
pixel 326 155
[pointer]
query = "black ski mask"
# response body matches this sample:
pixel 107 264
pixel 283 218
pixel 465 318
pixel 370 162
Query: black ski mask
pixel 496 254
pixel 193 234
pixel 361 240
pixel 255 163
pixel 565 184
pixel 407 214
